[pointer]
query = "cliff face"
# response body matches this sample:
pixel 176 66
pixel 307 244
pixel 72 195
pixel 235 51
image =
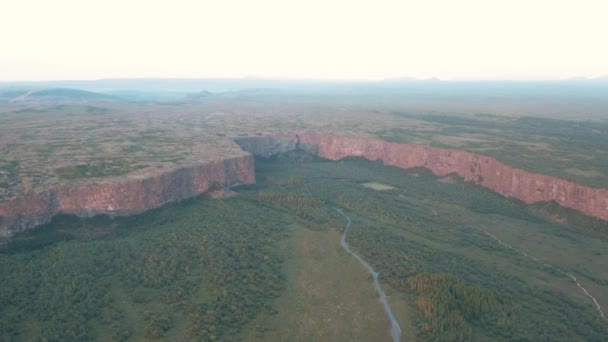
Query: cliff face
pixel 124 197
pixel 269 146
pixel 137 194
pixel 485 171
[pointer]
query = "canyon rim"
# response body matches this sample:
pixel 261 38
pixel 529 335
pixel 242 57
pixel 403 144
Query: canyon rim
pixel 137 193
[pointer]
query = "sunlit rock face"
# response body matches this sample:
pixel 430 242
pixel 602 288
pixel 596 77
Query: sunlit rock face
pixel 123 196
pixel 485 171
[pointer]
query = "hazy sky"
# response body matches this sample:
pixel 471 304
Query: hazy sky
pixel 453 39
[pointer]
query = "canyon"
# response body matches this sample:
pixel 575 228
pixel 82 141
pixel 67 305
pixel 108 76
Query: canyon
pixel 136 193
pixel 486 171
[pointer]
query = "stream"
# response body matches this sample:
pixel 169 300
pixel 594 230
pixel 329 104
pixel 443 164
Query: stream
pixel 395 329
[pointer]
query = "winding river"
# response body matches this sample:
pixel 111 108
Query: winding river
pixel 395 329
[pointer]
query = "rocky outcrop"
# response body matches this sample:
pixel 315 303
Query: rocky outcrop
pixel 485 171
pixel 123 197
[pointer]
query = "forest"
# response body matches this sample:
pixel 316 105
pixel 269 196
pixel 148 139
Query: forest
pixel 204 269
pixel 200 269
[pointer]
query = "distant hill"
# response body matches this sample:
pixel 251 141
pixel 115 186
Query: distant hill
pixel 60 94
pixel 9 94
pixel 571 98
pixel 201 95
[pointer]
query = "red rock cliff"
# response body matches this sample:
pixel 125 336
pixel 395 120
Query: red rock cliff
pixel 123 197
pixel 486 171
pixel 140 193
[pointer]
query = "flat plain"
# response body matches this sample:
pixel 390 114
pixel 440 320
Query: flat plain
pixel 44 144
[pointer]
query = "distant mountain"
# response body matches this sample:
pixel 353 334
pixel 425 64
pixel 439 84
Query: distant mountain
pixel 232 94
pixel 402 90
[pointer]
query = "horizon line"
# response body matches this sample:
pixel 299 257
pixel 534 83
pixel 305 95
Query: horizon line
pixel 304 79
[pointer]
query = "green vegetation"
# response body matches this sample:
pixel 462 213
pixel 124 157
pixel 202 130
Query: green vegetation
pixel 97 110
pixel 200 269
pixel 100 168
pixel 223 269
pixel 11 170
pixel 448 304
pixel 9 176
pixel 425 229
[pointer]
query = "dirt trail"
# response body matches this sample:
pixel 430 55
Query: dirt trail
pixel 395 329
pixel 583 289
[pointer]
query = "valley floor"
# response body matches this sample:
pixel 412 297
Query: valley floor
pixel 267 265
pixel 329 296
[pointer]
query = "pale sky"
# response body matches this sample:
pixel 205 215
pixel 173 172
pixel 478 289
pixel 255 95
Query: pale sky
pixel 307 39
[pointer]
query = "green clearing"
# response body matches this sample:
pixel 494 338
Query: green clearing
pixel 318 273
pixel 267 265
pixel 378 186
